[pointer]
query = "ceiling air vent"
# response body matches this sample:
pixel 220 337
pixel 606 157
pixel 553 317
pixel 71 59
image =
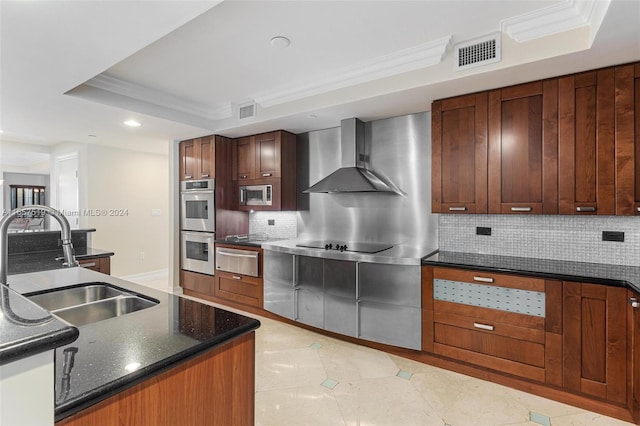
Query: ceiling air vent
pixel 247 111
pixel 477 52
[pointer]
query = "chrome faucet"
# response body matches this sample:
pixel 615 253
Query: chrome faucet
pixel 67 246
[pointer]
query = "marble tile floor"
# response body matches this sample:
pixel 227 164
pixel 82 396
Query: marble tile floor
pixel 306 379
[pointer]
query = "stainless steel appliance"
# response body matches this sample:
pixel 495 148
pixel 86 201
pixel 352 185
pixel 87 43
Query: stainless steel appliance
pixel 198 252
pixel 356 247
pixel 237 261
pixel 256 195
pixel 198 205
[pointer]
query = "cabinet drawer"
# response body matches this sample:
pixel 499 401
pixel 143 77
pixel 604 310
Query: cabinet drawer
pixel 492 326
pixel 239 288
pixel 490 278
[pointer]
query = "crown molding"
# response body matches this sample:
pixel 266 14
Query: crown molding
pixel 414 58
pixel 555 19
pixel 122 87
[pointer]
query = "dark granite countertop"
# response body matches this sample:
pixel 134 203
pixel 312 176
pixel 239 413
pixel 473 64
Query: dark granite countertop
pixel 21 263
pixel 117 353
pixel 596 273
pixel 26 329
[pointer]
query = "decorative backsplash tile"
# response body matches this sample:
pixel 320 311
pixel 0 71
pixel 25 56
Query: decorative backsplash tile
pixel 574 238
pixel 284 224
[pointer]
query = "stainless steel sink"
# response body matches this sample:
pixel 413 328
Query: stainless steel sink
pixel 93 302
pixel 103 309
pixel 64 298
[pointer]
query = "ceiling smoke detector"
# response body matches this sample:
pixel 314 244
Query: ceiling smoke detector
pixel 477 52
pixel 280 42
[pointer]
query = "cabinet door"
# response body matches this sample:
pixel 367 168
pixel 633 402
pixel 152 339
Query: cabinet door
pixel 586 143
pixel 459 155
pixel 267 151
pixel 188 159
pixel 595 340
pixel 206 159
pixel 627 134
pixel 523 149
pixel 244 159
pixel 634 339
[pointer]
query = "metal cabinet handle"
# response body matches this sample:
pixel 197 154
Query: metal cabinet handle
pixel 243 176
pixel 483 279
pixel 188 177
pixel 585 209
pixel 88 265
pixel 638 209
pixel 266 174
pixel 521 209
pixel 483 326
pixel 634 302
pixel 457 209
pixel 235 277
pixel 226 253
pixel 206 175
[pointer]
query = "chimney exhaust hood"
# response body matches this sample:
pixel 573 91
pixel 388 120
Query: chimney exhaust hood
pixel 355 174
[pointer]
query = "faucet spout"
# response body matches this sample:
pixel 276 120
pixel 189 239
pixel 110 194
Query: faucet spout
pixel 67 246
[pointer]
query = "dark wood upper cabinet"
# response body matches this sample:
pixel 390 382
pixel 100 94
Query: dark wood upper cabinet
pixel 244 159
pixel 268 149
pixel 627 139
pixel 523 148
pixel 586 143
pixel 197 158
pixel 459 155
pixel 633 314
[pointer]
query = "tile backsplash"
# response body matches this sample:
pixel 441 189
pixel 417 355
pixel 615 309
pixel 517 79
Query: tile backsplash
pixel 574 238
pixel 284 224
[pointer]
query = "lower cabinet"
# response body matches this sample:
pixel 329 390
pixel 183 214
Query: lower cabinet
pixel 574 336
pixel 595 340
pixel 376 302
pixel 238 288
pixel 98 264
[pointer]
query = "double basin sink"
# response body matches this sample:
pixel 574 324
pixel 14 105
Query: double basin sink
pixel 89 303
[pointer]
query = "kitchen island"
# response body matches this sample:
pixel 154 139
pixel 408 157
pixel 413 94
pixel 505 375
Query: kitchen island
pixel 177 361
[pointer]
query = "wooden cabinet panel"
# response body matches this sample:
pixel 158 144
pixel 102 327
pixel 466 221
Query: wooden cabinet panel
pixel 239 288
pixel 100 264
pixel 459 155
pixel 633 315
pixel 197 158
pixel 268 150
pixel 595 340
pixel 244 158
pixel 586 143
pixel 523 159
pixel 627 137
pixel 199 283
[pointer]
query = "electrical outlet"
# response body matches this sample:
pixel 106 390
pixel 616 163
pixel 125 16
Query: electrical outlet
pixel 481 230
pixel 613 236
pixel 271 221
pixel 141 255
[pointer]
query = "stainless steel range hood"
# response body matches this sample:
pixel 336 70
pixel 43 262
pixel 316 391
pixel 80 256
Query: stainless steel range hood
pixel 355 174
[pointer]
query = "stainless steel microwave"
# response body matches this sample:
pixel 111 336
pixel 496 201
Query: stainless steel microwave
pixel 256 195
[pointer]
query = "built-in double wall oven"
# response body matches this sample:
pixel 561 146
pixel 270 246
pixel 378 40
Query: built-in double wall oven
pixel 198 225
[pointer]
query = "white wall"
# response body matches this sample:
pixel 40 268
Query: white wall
pixel 125 187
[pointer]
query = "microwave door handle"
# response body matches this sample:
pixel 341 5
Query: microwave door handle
pixel 242 192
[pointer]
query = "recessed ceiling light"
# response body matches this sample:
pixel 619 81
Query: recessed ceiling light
pixel 280 42
pixel 132 123
pixel 92 136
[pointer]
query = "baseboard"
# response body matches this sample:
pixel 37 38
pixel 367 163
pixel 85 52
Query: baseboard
pixel 147 276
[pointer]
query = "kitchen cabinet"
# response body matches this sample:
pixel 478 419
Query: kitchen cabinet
pixel 240 288
pixel 595 340
pixel 627 139
pixel 508 323
pixel 523 148
pixel 199 283
pixel 586 143
pixel 267 159
pixel 197 158
pixel 376 302
pixel 459 154
pixel 98 264
pixel 633 313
